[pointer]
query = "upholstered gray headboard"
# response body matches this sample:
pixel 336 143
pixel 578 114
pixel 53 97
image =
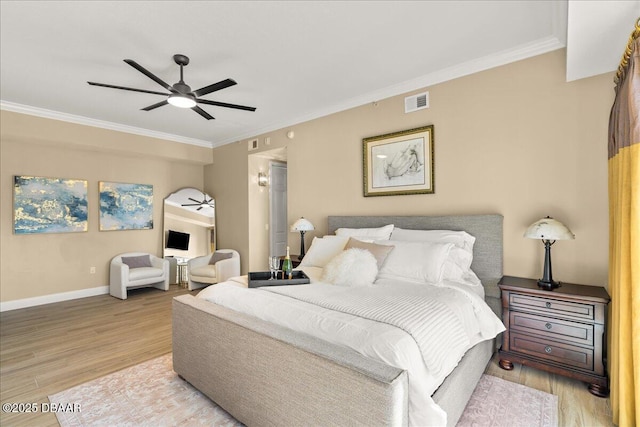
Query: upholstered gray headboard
pixel 487 229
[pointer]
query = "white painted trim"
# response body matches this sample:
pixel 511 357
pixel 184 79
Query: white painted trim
pixel 521 52
pixel 56 115
pixel 560 20
pixel 527 50
pixel 48 299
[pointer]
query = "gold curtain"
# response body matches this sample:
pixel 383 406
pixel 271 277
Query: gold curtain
pixel 624 239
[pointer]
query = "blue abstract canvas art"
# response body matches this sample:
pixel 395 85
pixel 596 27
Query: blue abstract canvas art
pixel 49 205
pixel 126 206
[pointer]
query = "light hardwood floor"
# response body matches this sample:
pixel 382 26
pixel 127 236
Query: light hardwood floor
pixel 47 349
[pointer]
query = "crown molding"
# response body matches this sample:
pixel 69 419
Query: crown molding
pixel 64 117
pixel 521 52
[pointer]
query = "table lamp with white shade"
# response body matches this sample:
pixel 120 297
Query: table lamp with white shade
pixel 302 225
pixel 549 231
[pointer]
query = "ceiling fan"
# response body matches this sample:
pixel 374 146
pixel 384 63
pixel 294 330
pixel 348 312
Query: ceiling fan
pixel 205 202
pixel 180 94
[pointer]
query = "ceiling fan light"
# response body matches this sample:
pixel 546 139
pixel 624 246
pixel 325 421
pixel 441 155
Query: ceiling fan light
pixel 182 101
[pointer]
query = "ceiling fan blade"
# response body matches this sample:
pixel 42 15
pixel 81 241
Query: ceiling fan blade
pixel 199 208
pixel 154 106
pixel 224 104
pixel 214 87
pixel 191 204
pixel 194 200
pixel 202 113
pixel 127 88
pixel 149 74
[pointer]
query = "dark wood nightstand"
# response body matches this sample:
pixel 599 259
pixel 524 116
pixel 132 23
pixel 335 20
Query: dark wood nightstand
pixel 560 331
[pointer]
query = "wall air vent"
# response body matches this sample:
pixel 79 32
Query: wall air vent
pixel 253 144
pixel 416 102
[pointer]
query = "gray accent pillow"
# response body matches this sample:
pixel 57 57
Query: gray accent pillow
pixel 219 256
pixel 137 261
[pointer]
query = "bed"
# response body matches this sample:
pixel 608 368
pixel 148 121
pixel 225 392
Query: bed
pixel 268 374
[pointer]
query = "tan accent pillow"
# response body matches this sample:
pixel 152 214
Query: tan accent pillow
pixel 380 252
pixel 219 256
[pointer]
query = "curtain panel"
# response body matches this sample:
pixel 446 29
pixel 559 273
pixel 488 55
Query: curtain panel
pixel 624 240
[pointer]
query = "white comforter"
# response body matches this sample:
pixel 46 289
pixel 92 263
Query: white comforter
pixel 356 317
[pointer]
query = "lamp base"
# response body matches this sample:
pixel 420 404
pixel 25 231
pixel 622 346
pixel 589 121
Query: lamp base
pixel 548 285
pixel 301 245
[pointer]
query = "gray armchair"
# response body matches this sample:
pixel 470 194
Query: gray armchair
pixel 138 270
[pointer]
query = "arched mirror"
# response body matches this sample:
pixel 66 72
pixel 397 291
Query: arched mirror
pixel 189 226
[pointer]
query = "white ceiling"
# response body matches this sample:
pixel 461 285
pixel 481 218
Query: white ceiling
pixel 293 60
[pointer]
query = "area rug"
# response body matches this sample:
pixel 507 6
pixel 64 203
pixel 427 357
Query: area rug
pixel 152 394
pixel 496 403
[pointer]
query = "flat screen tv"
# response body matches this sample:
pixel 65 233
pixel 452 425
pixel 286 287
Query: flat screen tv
pixel 177 240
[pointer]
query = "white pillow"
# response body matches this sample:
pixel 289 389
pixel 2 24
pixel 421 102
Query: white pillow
pixel 461 239
pixel 421 262
pixel 322 250
pixel 458 264
pixel 453 271
pixel 460 257
pixel 353 267
pixel 367 234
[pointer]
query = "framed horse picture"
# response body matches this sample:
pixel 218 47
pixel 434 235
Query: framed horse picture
pixel 399 163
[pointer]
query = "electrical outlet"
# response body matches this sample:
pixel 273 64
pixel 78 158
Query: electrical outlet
pixel 92 270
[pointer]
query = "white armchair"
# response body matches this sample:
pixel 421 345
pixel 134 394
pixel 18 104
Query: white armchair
pixel 202 274
pixel 140 270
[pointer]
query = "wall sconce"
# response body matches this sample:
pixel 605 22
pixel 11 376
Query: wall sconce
pixel 262 179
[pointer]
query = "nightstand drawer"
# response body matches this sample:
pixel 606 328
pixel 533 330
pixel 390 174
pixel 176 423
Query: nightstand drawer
pixel 552 307
pixel 559 330
pixel 570 355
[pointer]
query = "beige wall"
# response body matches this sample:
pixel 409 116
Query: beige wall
pixel 227 181
pixel 516 140
pixel 46 264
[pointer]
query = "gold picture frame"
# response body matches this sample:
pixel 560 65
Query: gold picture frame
pixel 399 163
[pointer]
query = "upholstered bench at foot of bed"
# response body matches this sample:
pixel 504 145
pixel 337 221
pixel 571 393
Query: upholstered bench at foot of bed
pixel 250 367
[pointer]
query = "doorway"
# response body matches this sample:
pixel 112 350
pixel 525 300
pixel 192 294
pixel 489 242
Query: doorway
pixel 278 223
pixel 268 231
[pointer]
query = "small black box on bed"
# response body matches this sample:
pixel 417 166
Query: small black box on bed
pixel 262 278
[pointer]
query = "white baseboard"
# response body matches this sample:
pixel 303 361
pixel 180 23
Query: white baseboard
pixel 48 299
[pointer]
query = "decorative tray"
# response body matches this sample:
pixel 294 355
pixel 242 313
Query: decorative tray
pixel 261 278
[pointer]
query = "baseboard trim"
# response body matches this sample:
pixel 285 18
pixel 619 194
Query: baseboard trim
pixel 48 299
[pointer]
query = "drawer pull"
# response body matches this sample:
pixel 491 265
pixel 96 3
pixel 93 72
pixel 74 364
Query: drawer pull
pixel 548 326
pixel 548 304
pixel 547 349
